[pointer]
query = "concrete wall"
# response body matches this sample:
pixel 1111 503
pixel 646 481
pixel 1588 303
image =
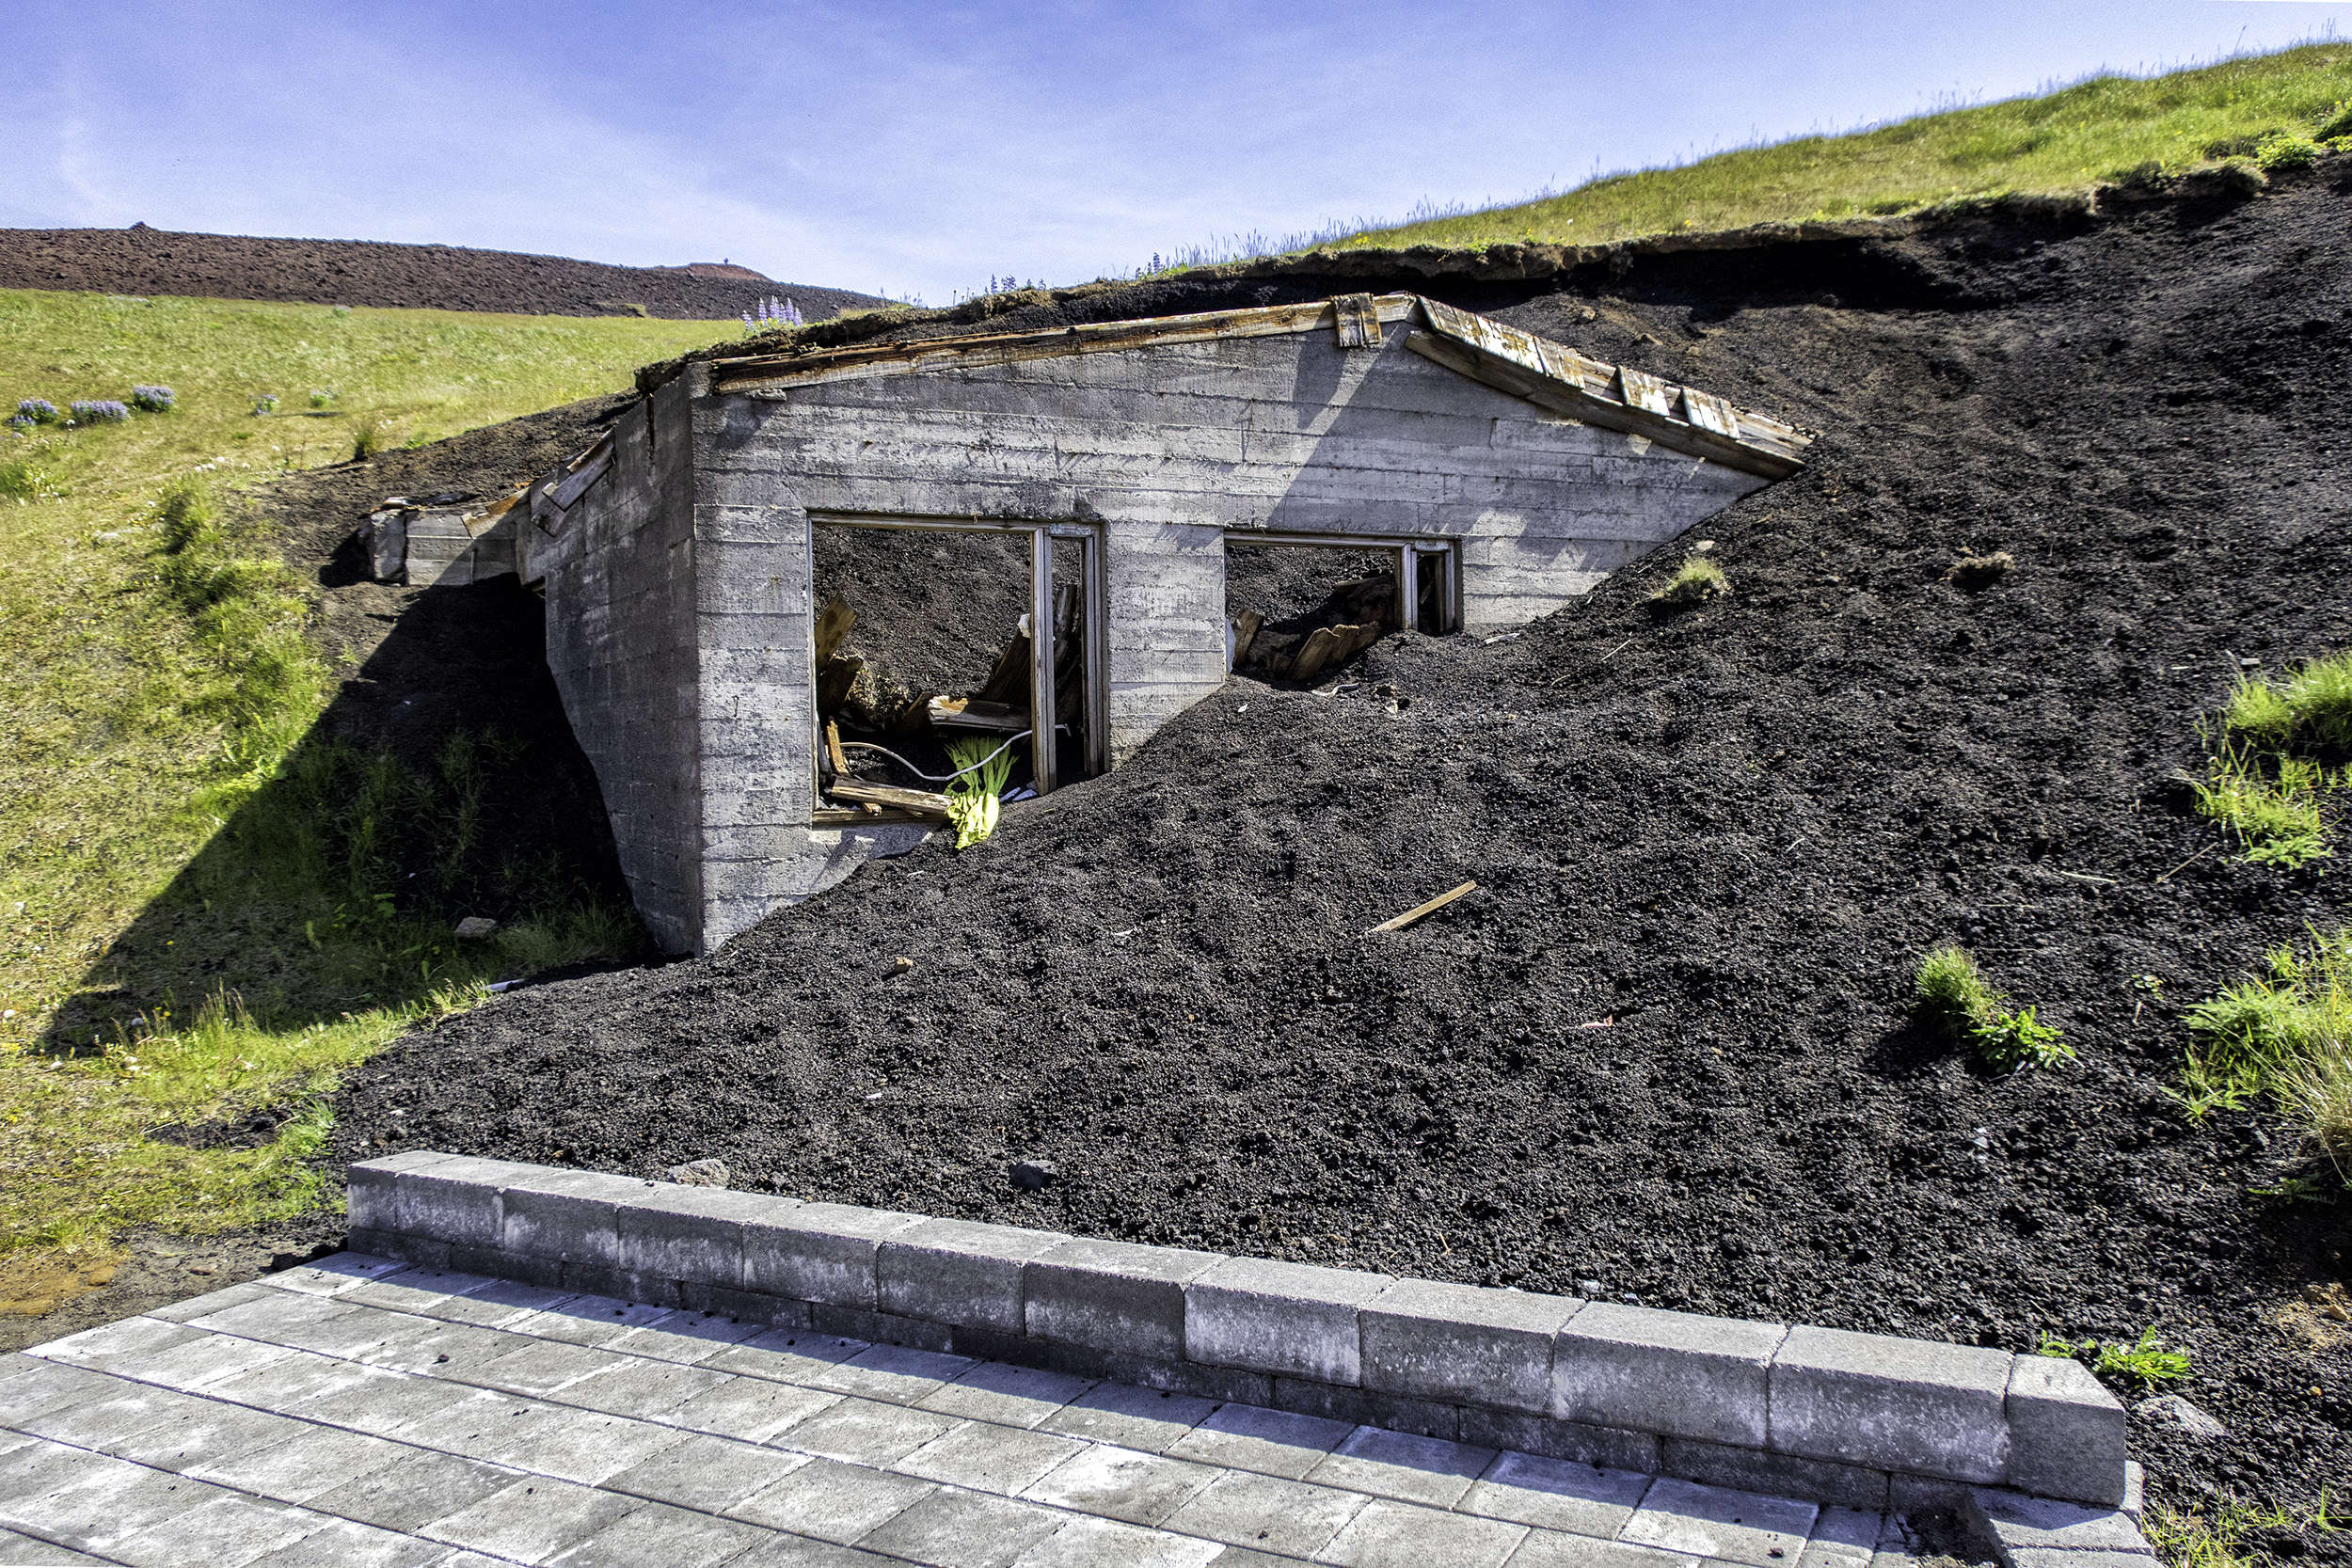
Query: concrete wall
pixel 1174 445
pixel 679 590
pixel 619 572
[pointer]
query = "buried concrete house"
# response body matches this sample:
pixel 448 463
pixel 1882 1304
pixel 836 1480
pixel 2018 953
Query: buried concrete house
pixel 1498 474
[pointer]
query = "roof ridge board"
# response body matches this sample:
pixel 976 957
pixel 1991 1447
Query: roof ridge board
pixel 1267 319
pixel 1613 392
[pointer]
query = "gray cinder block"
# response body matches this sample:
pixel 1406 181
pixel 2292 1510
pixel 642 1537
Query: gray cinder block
pixel 1113 1295
pixel 689 1233
pixel 958 1272
pixel 454 1200
pixel 1891 1404
pixel 2067 1434
pixel 1437 1340
pixel 821 1253
pixel 2016 1527
pixel 1674 1373
pixel 1290 1319
pixel 566 1216
pixel 369 1186
pixel 1785 1475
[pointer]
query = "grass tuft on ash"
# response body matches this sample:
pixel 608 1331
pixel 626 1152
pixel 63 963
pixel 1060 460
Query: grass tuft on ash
pixel 1954 996
pixel 2287 1034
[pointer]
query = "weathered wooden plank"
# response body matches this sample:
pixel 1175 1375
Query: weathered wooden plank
pixel 832 625
pixel 1431 907
pixel 787 371
pixel 919 802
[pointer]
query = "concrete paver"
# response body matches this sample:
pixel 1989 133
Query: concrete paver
pixel 23 1551
pixel 1149 1419
pixel 953 1528
pixel 1245 1437
pixel 1556 1494
pixel 1385 1534
pixel 1717 1522
pixel 314 1460
pixel 866 1431
pixel 361 1413
pixel 532 1518
pixel 833 1501
pixel 666 1536
pixel 1267 1513
pixel 1120 1483
pixel 1399 1465
pixel 986 1458
pixel 711 1474
pixel 341 1543
pixel 226 1532
pixel 1106 1543
pixel 750 1408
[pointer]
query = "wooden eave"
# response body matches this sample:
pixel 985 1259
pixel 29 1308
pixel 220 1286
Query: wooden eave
pixel 1551 376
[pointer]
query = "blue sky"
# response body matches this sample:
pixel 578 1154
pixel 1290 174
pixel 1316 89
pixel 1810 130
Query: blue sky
pixel 918 149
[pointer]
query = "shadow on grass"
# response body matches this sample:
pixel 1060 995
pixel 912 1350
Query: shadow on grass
pixel 441 783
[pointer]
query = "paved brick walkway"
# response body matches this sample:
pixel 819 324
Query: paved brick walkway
pixel 359 1414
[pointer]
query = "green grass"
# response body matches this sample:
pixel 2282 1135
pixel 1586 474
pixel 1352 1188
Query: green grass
pixel 2214 1535
pixel 2269 802
pixel 2266 107
pixel 2268 797
pixel 2287 1034
pixel 1698 580
pixel 175 835
pixel 1953 995
pixel 2143 1363
pixel 2312 706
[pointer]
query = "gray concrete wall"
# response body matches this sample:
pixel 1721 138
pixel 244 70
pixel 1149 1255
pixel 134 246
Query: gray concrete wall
pixel 1174 445
pixel 679 591
pixel 619 569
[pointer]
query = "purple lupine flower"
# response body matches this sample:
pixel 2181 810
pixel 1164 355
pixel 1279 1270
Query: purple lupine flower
pixel 38 411
pixel 153 400
pixel 102 411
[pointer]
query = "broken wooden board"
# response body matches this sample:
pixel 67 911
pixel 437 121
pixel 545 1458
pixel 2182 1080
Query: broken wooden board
pixel 1431 907
pixel 863 817
pixel 833 679
pixel 1328 645
pixel 962 713
pixel 922 803
pixel 833 624
pixel 833 750
pixel 1245 627
pixel 1008 682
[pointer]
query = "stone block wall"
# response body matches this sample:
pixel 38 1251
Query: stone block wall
pixel 1857 1420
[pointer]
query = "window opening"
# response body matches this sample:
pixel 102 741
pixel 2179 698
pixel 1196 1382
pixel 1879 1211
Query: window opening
pixel 927 633
pixel 1298 606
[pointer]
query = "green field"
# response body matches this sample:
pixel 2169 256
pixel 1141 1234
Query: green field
pixel 2064 142
pixel 156 686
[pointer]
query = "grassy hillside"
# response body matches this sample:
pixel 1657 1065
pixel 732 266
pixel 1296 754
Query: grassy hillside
pixel 154 675
pixel 2070 140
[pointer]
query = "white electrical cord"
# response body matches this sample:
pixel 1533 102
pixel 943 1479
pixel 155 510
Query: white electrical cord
pixel 944 778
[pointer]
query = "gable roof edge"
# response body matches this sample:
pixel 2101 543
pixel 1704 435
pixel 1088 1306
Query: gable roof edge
pixel 1551 376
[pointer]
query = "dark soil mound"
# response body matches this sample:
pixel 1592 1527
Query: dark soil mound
pixel 144 260
pixel 1666 1048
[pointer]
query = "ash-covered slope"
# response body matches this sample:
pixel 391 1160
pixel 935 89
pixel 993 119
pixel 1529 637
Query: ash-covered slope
pixel 1666 1046
pixel 143 261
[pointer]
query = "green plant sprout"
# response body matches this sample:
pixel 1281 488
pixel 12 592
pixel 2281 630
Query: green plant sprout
pixel 1954 994
pixel 2146 1361
pixel 2288 1035
pixel 981 771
